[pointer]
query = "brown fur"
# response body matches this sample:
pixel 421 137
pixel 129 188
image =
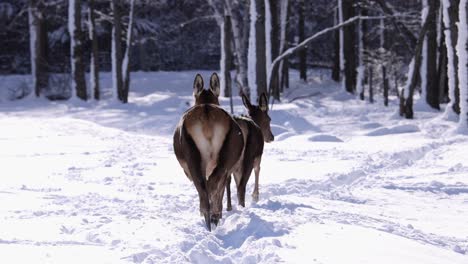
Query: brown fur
pixel 256 129
pixel 207 144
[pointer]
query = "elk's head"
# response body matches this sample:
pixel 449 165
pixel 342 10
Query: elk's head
pixel 259 115
pixel 203 96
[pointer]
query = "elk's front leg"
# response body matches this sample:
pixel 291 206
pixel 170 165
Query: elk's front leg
pixel 228 193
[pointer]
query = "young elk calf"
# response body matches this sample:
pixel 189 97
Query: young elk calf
pixel 255 129
pixel 207 144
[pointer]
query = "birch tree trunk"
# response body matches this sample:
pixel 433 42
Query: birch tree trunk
pixel 462 52
pixel 284 7
pixel 449 17
pixel 361 67
pixel 126 58
pixel 94 63
pixel 257 52
pixel 76 49
pixel 38 47
pixel 239 48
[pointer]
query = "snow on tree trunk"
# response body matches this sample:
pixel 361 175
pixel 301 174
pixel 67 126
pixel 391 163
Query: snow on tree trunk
pixel 94 64
pixel 78 82
pixel 462 53
pixel 360 68
pixel 38 47
pixel 116 51
pixel 252 52
pixel 238 46
pixel 33 43
pixel 451 60
pixel 342 55
pixel 428 70
pixel 423 69
pixel 126 58
pixel 283 27
pixel 268 50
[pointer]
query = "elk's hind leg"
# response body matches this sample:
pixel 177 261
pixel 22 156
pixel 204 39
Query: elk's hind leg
pixel 190 153
pixel 255 193
pixel 246 171
pixel 227 158
pixel 228 193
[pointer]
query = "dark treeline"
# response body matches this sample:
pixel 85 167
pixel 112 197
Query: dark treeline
pixel 385 48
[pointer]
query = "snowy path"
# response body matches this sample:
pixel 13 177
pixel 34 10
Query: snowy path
pixel 345 182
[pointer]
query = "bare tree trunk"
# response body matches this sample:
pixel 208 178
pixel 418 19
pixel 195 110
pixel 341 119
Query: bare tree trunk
pixel 462 52
pixel 454 19
pixel 371 85
pixel 336 48
pixel 349 47
pixel 239 48
pixel 226 56
pixel 126 58
pixel 261 74
pixel 412 75
pixel 38 47
pixel 302 52
pixel 117 50
pixel 442 70
pixel 361 64
pixel 385 85
pixel 283 68
pixel 450 16
pixel 94 63
pixel 432 95
pixel 76 49
pixel 245 46
pixel 275 45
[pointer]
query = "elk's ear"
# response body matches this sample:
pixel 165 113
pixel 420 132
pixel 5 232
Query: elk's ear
pixel 214 84
pixel 197 84
pixel 246 101
pixel 263 102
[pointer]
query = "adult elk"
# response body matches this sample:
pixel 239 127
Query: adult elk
pixel 255 129
pixel 207 144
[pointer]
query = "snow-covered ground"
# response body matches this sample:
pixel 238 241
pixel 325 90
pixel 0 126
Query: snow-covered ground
pixel 344 182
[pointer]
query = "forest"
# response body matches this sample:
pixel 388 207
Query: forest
pixel 360 109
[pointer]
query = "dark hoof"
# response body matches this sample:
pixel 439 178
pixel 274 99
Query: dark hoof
pixel 255 197
pixel 215 219
pixel 208 221
pixel 229 208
